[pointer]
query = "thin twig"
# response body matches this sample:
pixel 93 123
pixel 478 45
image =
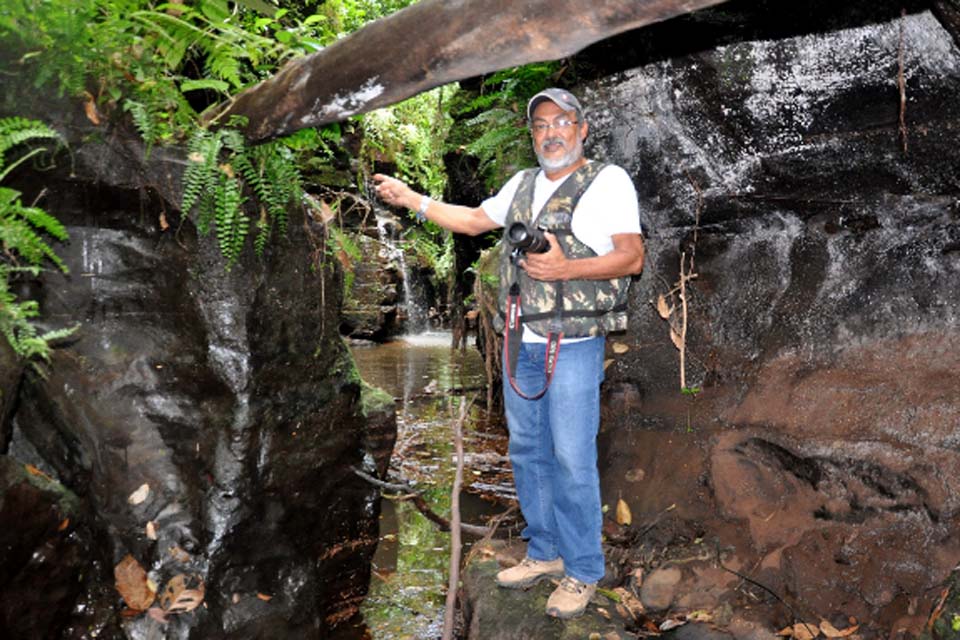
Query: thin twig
pixel 409 493
pixel 455 543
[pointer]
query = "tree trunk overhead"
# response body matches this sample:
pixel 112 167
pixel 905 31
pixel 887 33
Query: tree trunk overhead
pixel 429 44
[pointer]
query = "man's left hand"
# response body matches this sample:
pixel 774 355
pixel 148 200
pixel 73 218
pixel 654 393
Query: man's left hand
pixel 549 266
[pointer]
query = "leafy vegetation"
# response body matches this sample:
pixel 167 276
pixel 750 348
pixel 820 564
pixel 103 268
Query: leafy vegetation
pixel 495 121
pixel 160 65
pixel 24 234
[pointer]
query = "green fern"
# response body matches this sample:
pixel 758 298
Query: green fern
pixel 221 170
pixel 23 232
pixel 143 120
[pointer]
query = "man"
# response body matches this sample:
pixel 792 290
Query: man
pixel 567 298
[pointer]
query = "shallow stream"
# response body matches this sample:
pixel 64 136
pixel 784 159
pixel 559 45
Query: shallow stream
pixel 428 381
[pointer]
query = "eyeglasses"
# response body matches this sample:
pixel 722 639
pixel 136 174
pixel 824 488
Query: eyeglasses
pixel 558 124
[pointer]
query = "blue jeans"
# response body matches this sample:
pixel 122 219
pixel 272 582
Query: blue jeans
pixel 553 451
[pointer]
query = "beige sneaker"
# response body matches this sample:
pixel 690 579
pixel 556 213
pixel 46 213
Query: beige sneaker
pixel 529 572
pixel 570 599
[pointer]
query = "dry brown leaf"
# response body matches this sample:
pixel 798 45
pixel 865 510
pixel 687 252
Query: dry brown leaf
pixel 151 530
pixel 344 260
pixel 603 612
pixel 619 347
pixel 676 338
pixel 607 363
pixel 132 584
pixel 326 213
pixel 227 170
pixel 90 108
pixel 849 631
pixel 164 225
pixel 140 494
pixel 800 631
pixel 64 524
pixel 829 630
pixel 264 597
pixel 177 598
pixel 32 470
pixel 624 516
pixel 663 308
pixel 196 157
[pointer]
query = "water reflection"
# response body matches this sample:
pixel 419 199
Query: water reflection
pixel 428 379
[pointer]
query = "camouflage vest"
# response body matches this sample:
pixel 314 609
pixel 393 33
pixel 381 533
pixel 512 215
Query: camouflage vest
pixel 578 308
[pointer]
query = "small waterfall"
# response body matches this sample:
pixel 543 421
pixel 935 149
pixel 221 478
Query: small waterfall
pixel 412 307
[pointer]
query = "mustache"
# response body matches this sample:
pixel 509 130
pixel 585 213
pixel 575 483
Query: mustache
pixel 557 140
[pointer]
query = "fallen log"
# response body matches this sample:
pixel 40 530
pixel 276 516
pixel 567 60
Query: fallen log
pixel 426 45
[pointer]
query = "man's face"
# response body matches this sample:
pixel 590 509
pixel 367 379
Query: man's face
pixel 557 136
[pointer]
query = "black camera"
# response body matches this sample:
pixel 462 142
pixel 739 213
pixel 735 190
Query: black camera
pixel 526 239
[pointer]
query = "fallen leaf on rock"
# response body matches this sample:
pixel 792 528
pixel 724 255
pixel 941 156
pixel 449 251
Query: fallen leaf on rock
pixel 132 584
pixel 64 524
pixel 157 614
pixel 138 496
pixel 151 530
pixel 663 308
pixel 177 598
pixel 829 630
pixel 164 225
pixel 607 363
pixel 800 631
pixel 32 470
pixel 603 612
pixel 671 623
pixel 619 347
pixel 264 597
pixel 624 516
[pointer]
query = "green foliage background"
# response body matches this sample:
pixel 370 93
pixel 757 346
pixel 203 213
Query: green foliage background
pixel 159 65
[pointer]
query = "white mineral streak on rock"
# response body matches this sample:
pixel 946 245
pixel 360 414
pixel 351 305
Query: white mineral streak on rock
pixel 651 107
pixel 790 90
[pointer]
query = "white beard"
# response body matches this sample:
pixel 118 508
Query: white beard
pixel 569 158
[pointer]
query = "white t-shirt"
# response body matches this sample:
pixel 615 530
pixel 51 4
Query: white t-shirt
pixel 608 207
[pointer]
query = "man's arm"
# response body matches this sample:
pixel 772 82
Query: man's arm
pixel 457 218
pixel 625 259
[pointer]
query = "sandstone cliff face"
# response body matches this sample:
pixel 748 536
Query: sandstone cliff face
pixel 823 224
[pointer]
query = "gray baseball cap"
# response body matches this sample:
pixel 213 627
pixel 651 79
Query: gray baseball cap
pixel 560 97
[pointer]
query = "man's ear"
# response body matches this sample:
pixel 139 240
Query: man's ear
pixel 585 130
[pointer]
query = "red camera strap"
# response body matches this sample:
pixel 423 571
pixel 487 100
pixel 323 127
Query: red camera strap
pixel 512 340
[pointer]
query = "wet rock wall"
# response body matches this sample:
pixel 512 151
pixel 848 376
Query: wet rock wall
pixel 823 221
pixel 229 394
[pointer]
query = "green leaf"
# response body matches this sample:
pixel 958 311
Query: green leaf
pixel 193 85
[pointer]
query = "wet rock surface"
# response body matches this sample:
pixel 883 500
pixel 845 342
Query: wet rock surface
pixel 817 454
pixel 227 400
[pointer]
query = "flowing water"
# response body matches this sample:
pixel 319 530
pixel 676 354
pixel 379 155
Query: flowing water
pixel 429 380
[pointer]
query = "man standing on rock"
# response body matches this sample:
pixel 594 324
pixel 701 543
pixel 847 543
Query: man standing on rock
pixel 572 240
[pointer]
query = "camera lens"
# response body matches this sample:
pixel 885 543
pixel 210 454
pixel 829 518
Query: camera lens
pixel 529 239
